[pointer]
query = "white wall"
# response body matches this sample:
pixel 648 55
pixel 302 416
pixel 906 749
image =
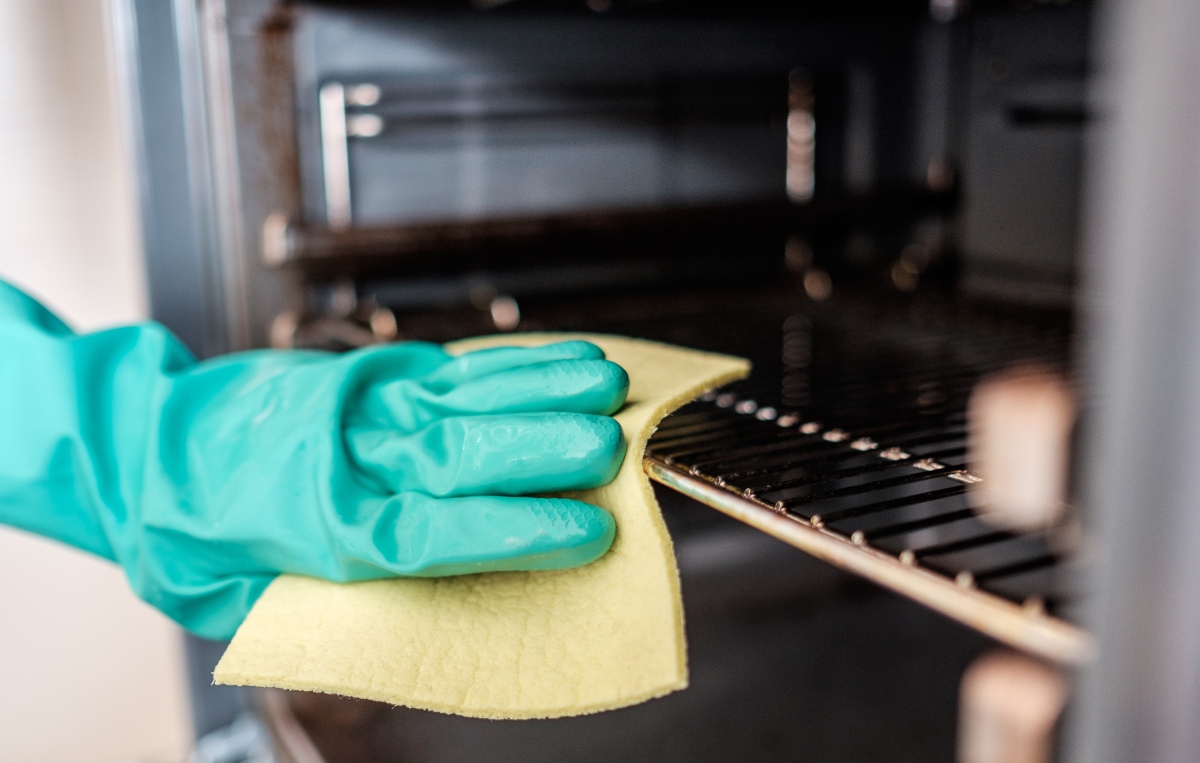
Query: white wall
pixel 88 674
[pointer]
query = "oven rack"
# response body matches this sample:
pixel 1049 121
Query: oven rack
pixel 885 500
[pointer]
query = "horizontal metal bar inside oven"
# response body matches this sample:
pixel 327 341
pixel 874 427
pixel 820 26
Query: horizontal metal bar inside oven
pixel 1028 629
pixel 428 245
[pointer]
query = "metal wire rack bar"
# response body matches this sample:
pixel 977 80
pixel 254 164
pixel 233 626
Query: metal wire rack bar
pixel 884 494
pixel 1027 627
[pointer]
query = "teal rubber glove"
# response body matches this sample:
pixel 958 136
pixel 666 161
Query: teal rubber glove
pixel 204 481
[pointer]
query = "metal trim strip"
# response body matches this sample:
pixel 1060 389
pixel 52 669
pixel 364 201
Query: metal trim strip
pixel 1024 628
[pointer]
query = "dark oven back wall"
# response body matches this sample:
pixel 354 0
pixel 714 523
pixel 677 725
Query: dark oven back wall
pixel 524 113
pixel 460 116
pixel 484 115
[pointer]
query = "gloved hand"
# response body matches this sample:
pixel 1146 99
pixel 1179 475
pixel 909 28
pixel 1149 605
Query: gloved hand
pixel 206 480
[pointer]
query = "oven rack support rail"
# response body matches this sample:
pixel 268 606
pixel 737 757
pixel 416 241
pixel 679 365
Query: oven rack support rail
pixel 1025 627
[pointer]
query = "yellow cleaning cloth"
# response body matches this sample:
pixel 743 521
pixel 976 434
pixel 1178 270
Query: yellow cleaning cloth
pixel 506 644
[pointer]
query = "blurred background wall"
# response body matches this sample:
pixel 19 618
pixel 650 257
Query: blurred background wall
pixel 87 672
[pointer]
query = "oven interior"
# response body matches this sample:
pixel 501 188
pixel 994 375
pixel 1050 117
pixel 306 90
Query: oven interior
pixel 874 202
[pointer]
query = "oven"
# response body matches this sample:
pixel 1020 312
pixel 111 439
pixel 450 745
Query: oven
pixel 878 203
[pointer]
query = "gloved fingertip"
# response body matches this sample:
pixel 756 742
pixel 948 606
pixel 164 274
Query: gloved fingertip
pixel 579 533
pixel 617 458
pixel 608 452
pixel 616 381
pixel 575 349
pixel 608 432
pixel 598 540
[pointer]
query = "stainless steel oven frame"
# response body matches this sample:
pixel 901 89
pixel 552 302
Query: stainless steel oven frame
pixel 207 142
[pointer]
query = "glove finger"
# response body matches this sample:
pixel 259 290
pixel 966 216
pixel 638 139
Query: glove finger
pixel 420 536
pixel 513 454
pixel 565 386
pixel 473 365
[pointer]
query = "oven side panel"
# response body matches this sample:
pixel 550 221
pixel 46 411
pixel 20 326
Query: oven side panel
pixel 1141 701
